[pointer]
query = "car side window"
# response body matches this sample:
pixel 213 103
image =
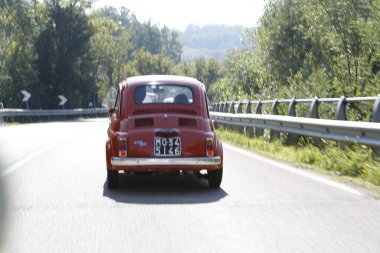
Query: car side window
pixel 209 104
pixel 117 103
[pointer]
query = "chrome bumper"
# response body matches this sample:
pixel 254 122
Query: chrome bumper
pixel 166 161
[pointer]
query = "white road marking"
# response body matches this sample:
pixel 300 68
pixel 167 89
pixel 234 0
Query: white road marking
pixel 295 170
pixel 25 160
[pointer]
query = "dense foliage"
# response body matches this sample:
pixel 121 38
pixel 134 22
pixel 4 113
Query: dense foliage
pixel 60 47
pixel 300 48
pixel 307 48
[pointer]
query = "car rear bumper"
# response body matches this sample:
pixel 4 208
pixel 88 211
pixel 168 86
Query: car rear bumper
pixel 166 161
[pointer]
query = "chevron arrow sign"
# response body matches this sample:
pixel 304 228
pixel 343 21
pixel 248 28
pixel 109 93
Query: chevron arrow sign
pixel 26 94
pixel 63 99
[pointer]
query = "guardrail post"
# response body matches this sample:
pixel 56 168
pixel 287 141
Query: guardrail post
pixel 1 118
pixel 376 110
pixel 232 110
pixel 274 111
pixel 217 109
pixel 259 131
pixel 249 130
pixel 314 109
pixel 220 107
pixel 249 109
pixel 376 118
pixel 315 115
pixel 225 107
pixel 259 108
pixel 341 109
pixel 292 138
pixel 292 108
pixel 240 110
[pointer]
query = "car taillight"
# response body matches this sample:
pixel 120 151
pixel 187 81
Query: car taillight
pixel 209 147
pixel 122 142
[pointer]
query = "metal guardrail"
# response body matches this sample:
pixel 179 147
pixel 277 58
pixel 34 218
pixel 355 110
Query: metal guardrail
pixel 11 113
pixel 236 106
pixel 367 133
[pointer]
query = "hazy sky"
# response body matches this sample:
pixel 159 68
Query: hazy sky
pixel 178 14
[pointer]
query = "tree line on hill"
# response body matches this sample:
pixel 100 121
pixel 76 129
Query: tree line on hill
pixel 303 48
pixel 300 48
pixel 56 48
pixel 210 41
pixel 324 48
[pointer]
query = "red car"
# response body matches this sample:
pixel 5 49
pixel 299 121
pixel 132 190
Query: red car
pixel 161 124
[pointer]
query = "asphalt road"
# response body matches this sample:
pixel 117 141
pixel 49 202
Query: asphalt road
pixel 56 201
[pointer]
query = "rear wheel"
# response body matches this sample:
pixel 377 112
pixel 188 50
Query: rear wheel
pixel 214 178
pixel 112 179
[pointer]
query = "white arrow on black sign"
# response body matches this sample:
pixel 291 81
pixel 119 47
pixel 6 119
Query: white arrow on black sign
pixel 63 100
pixel 26 94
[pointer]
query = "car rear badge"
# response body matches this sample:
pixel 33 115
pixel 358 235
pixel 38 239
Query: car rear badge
pixel 140 143
pixel 165 116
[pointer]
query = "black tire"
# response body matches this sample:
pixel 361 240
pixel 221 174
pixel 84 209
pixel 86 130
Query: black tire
pixel 112 179
pixel 215 178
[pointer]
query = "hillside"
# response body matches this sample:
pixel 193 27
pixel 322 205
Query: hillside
pixel 210 41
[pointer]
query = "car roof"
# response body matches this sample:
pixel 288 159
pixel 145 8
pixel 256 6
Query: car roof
pixel 161 79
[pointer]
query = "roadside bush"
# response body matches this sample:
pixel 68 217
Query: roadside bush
pixel 373 174
pixel 343 160
pixel 309 155
pixel 346 161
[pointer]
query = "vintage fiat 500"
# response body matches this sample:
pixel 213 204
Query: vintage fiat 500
pixel 161 124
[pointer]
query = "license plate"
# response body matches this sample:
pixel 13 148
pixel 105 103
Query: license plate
pixel 167 146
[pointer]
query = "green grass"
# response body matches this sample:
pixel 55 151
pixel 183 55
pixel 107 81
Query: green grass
pixel 9 123
pixel 354 163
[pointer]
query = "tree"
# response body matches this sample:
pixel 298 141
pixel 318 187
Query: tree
pixel 111 46
pixel 370 31
pixel 146 63
pixel 315 48
pixel 352 50
pixel 146 35
pixel 16 51
pixel 281 39
pixel 170 44
pixel 185 68
pixel 64 62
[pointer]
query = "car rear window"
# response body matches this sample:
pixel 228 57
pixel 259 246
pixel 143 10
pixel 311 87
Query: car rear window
pixel 163 94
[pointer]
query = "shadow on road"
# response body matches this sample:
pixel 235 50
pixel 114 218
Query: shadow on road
pixel 163 190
